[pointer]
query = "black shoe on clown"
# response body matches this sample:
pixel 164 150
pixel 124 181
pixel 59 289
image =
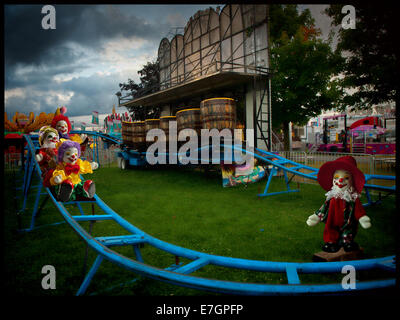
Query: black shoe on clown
pixel 350 246
pixel 89 188
pixel 330 247
pixel 65 191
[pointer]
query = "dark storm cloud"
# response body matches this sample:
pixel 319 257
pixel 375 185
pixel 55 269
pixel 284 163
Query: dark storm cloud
pixel 27 43
pixel 43 73
pixel 89 93
pixel 72 65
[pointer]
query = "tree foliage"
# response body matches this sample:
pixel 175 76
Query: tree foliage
pixel 371 68
pixel 286 19
pixel 149 83
pixel 303 69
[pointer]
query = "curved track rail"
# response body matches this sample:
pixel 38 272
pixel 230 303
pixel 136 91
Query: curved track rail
pixel 289 166
pixel 179 274
pixel 98 134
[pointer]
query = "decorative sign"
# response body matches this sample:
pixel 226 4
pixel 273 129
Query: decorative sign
pixel 233 175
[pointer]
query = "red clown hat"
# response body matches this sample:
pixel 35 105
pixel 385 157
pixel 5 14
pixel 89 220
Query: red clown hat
pixel 348 163
pixel 59 118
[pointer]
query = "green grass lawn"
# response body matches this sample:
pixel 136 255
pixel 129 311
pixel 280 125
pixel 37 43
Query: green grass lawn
pixel 185 207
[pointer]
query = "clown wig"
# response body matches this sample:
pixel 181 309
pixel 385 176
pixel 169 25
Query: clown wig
pixel 64 146
pixel 44 131
pixel 61 117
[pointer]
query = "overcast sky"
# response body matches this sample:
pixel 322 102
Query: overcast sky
pixel 92 50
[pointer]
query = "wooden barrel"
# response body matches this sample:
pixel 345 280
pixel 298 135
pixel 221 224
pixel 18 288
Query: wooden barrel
pixel 164 125
pixel 189 119
pixel 151 124
pixel 138 135
pixel 127 133
pixel 218 113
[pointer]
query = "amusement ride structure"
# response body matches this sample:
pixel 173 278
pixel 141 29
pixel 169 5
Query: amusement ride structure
pixel 204 73
pixel 179 273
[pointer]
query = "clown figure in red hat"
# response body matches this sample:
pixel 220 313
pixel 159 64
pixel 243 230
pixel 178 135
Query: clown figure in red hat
pixel 66 176
pixel 62 124
pixel 342 209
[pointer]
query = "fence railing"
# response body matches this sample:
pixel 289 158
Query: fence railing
pixel 12 161
pixel 106 153
pixel 367 163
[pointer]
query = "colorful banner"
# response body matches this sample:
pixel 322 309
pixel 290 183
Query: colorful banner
pixel 95 117
pixel 117 125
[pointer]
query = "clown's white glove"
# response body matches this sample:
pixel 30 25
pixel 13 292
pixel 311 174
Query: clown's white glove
pixel 39 157
pixel 94 165
pixel 58 179
pixel 83 136
pixel 313 220
pixel 365 222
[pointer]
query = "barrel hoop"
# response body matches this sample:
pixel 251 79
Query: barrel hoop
pixel 218 99
pixel 188 110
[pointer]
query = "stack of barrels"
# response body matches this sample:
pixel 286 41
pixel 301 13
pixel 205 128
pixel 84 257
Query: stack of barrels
pixel 218 113
pixel 215 113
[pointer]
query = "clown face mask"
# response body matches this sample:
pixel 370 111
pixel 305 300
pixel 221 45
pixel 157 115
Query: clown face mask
pixel 62 127
pixel 50 140
pixel 70 155
pixel 342 179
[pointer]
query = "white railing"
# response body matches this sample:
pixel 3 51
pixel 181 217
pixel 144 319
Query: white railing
pixel 367 163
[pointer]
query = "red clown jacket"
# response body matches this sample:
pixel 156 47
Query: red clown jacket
pixel 340 216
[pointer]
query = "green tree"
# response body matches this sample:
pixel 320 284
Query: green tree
pixel 287 19
pixel 371 67
pixel 149 83
pixel 303 68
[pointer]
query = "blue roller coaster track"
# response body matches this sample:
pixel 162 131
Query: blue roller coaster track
pixel 180 274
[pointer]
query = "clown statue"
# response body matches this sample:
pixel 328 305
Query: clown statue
pixel 65 177
pixel 47 155
pixel 48 140
pixel 342 209
pixel 62 124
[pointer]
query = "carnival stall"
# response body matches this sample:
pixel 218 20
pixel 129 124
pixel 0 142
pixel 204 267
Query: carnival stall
pixel 367 135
